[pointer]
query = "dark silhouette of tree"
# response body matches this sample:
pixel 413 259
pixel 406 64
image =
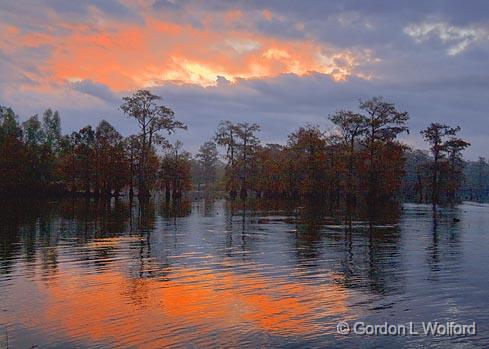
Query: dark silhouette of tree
pixel 131 148
pixel 52 129
pixel 308 147
pixel 69 161
pixel 226 136
pixel 383 123
pixel 85 140
pixel 351 126
pixel 417 179
pixel 247 147
pixel 481 174
pixel 175 171
pixel 111 168
pixel 33 132
pixel 12 152
pixel 270 174
pixel 455 146
pixel 207 162
pixel 152 118
pixel 336 167
pixel 435 135
pixel 34 141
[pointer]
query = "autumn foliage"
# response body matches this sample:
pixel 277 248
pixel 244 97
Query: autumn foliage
pixel 36 159
pixel 359 161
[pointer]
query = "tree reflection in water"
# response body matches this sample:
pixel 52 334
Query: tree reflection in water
pixel 196 271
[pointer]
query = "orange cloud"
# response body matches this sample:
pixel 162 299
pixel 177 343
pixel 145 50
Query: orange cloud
pixel 126 56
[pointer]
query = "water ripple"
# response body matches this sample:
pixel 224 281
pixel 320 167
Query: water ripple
pixel 75 276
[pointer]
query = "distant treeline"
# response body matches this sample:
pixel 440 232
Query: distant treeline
pixel 417 181
pixel 358 162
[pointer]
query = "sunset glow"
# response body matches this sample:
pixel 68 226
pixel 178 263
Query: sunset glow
pixel 126 56
pixel 243 174
pixel 82 57
pixel 199 298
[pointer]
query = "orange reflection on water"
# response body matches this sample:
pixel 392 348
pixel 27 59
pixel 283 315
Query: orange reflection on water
pixel 187 307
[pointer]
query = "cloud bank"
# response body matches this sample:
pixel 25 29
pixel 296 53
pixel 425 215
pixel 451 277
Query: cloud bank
pixel 278 63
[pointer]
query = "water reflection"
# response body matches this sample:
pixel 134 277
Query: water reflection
pixel 188 307
pixel 218 273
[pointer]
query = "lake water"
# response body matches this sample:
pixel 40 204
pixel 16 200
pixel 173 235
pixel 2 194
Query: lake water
pixel 217 274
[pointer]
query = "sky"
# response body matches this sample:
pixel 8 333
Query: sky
pixel 279 63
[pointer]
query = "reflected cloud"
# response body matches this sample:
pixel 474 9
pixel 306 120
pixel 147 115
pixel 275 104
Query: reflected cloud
pixel 94 307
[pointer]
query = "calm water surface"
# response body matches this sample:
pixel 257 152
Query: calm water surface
pixel 210 274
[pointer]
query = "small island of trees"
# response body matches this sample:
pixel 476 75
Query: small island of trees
pixel 360 161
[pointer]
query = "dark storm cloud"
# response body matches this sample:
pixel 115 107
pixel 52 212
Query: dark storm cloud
pixel 94 89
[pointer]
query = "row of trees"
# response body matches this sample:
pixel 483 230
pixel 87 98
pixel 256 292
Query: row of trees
pixel 37 159
pixel 360 158
pixel 359 161
pixel 28 152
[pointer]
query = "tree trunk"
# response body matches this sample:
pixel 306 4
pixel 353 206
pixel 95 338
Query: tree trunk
pixel 434 194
